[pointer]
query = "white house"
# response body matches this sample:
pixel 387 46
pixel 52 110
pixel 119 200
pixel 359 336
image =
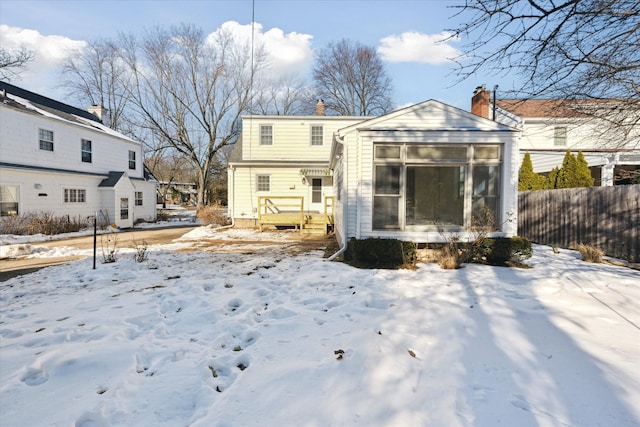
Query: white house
pixel 283 157
pixel 59 159
pixel 413 174
pixel 550 127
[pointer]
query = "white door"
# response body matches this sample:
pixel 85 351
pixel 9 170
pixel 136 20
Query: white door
pixel 316 195
pixel 126 216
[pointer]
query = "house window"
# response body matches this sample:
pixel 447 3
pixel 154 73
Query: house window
pixel 317 135
pixel 132 159
pixel 386 198
pixel 9 200
pixel 46 139
pixel 435 195
pixel 560 137
pixel 429 186
pixel 86 150
pixel 266 135
pixel 138 198
pixel 263 182
pixel 486 190
pixel 124 208
pixel 75 195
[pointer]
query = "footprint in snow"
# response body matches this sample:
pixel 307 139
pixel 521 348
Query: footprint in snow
pixel 234 304
pixel 225 370
pixel 34 376
pixel 89 419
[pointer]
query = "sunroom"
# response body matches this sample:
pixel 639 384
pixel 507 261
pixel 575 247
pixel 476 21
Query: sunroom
pixel 433 187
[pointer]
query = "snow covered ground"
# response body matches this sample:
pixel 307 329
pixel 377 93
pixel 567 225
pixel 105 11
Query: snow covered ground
pixel 253 336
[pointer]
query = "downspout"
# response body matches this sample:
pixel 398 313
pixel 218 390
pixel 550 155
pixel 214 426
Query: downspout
pixel 345 199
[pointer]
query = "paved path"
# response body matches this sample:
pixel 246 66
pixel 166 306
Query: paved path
pixel 154 236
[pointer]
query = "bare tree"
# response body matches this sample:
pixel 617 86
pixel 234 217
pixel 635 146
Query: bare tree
pixel 190 91
pixel 169 167
pixel 351 80
pixel 14 61
pixel 573 50
pixel 98 74
pixel 283 96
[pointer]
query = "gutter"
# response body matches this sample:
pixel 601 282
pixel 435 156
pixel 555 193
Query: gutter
pixel 345 203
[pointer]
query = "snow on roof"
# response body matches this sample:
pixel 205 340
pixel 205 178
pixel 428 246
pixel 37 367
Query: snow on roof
pixel 59 111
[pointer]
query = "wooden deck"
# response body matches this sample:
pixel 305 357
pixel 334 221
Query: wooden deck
pixel 283 211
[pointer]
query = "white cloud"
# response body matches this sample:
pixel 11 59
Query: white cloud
pixel 41 74
pixel 286 53
pixel 418 47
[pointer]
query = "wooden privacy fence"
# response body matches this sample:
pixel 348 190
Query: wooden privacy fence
pixel 605 217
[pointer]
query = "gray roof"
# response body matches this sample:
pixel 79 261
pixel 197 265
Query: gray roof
pixel 48 103
pixel 112 180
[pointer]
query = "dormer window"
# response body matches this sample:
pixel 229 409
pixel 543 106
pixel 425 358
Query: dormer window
pixel 132 160
pixel 317 137
pixel 560 137
pixel 266 135
pixel 86 150
pixel 46 139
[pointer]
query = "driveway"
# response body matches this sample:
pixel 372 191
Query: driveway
pixel 12 267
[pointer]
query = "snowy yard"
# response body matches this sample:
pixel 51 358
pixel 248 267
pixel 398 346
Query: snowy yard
pixel 253 336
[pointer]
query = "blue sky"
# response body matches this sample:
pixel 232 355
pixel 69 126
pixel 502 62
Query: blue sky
pixel 406 32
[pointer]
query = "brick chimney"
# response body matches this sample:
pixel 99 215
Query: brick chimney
pixel 320 108
pixel 480 102
pixel 101 113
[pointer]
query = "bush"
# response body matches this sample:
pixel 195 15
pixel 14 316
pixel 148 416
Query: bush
pixel 162 216
pixel 381 253
pixel 452 255
pixel 41 223
pixel 590 253
pixel 502 251
pixel 212 214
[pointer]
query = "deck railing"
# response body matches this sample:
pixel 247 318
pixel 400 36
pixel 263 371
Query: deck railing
pixel 328 208
pixel 289 211
pixel 281 210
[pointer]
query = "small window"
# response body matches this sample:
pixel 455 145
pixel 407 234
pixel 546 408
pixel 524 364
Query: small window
pixel 317 137
pixel 266 135
pixel 124 208
pixel 387 152
pixel 132 160
pixel 487 152
pixel 75 195
pixel 263 182
pixel 86 150
pixel 418 152
pixel 138 198
pixel 9 200
pixel 560 137
pixel 46 139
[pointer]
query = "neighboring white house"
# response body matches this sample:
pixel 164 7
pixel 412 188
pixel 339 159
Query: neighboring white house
pixel 551 127
pixel 416 174
pixel 59 159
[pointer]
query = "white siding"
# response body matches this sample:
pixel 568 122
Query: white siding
pixel 20 145
pixel 291 137
pixel 44 192
pixel 285 181
pixel 44 175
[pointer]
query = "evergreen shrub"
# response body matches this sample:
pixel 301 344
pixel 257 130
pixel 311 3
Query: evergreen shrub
pixel 381 253
pixel 502 251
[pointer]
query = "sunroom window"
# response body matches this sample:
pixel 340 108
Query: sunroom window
pixel 428 186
